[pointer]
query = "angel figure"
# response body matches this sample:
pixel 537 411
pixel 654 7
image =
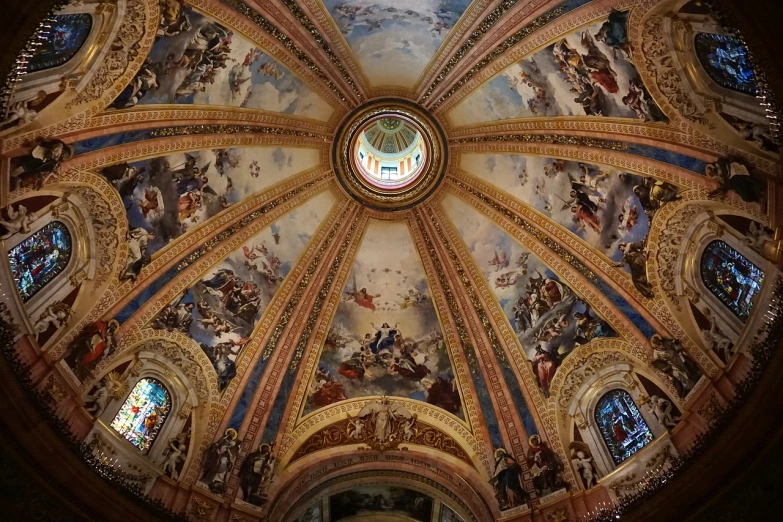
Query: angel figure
pixel 500 261
pixel 719 342
pixel 628 217
pixel 151 204
pixel 407 429
pixel 758 236
pixel 220 325
pixel 506 280
pixel 385 413
pixel 355 428
pixel 584 464
pixel 138 241
pixel 99 400
pixel 18 221
pixel 56 314
pixel 176 450
pixel 22 112
pixel 270 69
pixel 662 409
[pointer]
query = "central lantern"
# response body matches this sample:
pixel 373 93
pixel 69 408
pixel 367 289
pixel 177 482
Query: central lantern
pixel 390 154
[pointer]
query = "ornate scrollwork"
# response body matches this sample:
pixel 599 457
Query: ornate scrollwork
pixel 661 66
pixel 669 249
pixel 382 426
pixel 122 53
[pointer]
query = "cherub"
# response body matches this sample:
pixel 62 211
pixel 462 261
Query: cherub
pixel 56 314
pixel 500 261
pixel 355 428
pixel 18 222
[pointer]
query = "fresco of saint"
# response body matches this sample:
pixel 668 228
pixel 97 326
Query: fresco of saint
pixel 169 195
pixel 589 72
pixel 548 317
pixel 195 60
pixel 221 309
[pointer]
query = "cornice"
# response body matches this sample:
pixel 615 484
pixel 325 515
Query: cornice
pixel 666 137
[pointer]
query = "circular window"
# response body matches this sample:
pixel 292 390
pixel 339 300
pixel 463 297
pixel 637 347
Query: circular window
pixel 390 152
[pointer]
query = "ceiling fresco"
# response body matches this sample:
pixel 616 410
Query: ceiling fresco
pixel 196 60
pixel 385 338
pixel 588 72
pixel 394 40
pixel 575 276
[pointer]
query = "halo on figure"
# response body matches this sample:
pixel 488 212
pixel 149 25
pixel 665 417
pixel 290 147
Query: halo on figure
pixel 535 438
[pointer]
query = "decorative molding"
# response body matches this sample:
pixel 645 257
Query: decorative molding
pixel 481 30
pixel 385 477
pixel 657 58
pixel 497 52
pixel 313 31
pixel 126 53
pixel 216 128
pixel 339 434
pixel 436 160
pixel 685 140
pixel 554 139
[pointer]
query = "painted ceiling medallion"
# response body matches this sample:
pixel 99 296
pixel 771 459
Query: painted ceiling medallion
pixel 390 154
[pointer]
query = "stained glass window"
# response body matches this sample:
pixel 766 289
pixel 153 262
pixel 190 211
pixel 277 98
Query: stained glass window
pixel 726 60
pixel 39 258
pixel 731 277
pixel 143 413
pixel 66 37
pixel 621 424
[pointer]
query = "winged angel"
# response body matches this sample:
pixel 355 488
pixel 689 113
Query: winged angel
pixel 385 414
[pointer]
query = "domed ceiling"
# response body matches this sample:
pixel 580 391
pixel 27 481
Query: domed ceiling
pixel 389 260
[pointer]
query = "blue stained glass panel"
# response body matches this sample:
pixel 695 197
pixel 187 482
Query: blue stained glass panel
pixel 143 413
pixel 40 258
pixel 621 424
pixel 731 277
pixel 726 61
pixel 66 37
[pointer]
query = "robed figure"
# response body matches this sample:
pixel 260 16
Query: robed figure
pixel 507 481
pixel 219 461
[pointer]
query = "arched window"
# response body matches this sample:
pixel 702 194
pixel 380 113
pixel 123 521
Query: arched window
pixel 143 413
pixel 65 38
pixel 731 277
pixel 40 258
pixel 621 424
pixel 726 61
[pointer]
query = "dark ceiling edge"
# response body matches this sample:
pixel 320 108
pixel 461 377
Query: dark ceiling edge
pixel 20 22
pixel 31 445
